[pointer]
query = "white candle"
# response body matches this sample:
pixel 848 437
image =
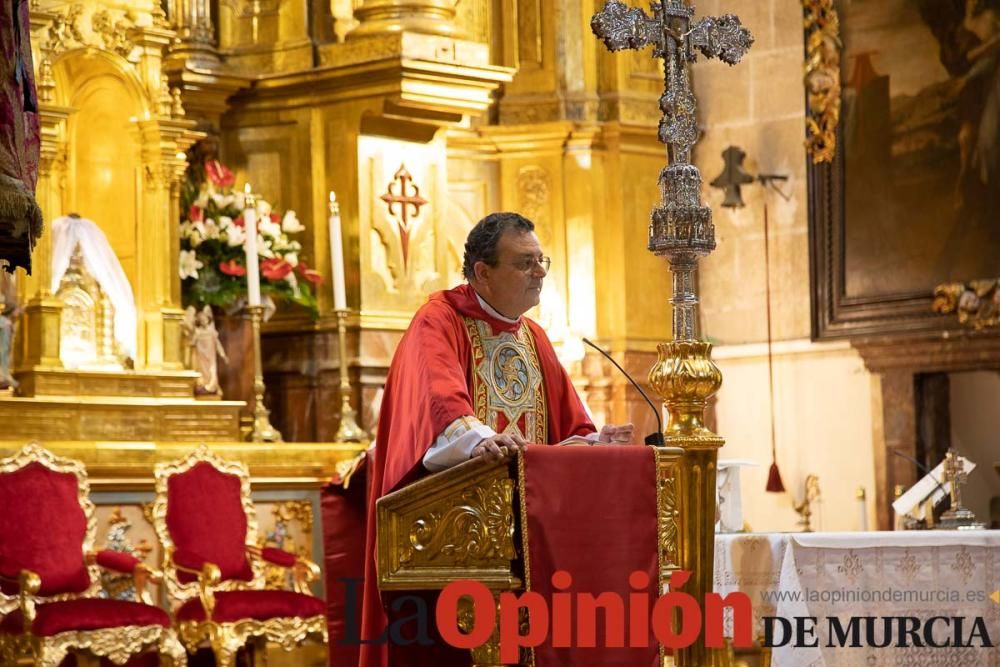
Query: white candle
pixel 337 256
pixel 250 246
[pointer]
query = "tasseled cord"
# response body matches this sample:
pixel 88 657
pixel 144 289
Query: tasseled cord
pixel 774 484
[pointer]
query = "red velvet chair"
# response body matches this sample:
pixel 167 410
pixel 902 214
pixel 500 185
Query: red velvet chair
pixel 213 568
pixel 50 575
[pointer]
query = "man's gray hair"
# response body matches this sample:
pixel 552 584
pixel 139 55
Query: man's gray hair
pixel 481 244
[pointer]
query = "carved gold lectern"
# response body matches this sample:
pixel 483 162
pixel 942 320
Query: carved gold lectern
pixel 464 523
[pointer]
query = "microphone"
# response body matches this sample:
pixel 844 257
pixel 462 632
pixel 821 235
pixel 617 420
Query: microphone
pixel 653 439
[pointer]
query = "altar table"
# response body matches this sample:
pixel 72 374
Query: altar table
pixel 921 574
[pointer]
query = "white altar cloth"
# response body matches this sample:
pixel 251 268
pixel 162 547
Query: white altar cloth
pixel 919 574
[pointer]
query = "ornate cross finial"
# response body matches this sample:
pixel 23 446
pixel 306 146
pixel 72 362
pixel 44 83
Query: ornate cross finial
pixel 674 38
pixel 681 226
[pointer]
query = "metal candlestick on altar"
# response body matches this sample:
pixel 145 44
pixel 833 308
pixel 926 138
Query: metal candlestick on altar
pixel 262 429
pixel 348 431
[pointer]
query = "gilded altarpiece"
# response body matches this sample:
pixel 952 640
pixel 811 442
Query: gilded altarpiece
pixel 113 139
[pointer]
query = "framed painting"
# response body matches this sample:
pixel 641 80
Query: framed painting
pixel 903 115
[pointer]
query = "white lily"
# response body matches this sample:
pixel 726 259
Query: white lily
pixel 268 228
pixel 235 236
pixel 290 223
pixel 189 264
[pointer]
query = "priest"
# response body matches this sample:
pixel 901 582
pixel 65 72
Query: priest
pixel 472 377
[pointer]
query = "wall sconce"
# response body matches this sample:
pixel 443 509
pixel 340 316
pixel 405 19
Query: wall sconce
pixel 734 177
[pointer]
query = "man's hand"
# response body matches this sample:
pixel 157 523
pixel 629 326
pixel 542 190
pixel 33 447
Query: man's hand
pixel 499 447
pixel 613 434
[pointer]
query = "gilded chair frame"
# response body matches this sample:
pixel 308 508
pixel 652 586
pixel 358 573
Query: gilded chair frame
pixel 226 639
pixel 117 644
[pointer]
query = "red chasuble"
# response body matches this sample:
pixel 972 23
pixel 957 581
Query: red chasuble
pixel 437 375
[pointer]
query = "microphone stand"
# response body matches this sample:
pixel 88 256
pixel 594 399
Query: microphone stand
pixel 653 439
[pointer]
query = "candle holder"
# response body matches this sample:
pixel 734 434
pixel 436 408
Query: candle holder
pixel 262 429
pixel 804 509
pixel 349 431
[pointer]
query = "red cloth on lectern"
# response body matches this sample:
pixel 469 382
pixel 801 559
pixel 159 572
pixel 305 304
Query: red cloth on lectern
pixel 591 511
pixel 426 390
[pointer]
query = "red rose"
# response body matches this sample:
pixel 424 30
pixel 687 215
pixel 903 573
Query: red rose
pixel 239 222
pixel 311 275
pixel 275 269
pixel 274 217
pixel 218 174
pixel 232 268
pixel 195 214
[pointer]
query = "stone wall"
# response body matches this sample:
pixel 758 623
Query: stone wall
pixel 822 393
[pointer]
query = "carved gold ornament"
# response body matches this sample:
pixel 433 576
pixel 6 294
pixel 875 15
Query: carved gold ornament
pixel 228 638
pixel 976 303
pixel 117 644
pixel 822 78
pixel 480 528
pixel 667 510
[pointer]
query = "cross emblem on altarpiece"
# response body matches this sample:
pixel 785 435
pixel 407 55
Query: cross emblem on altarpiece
pixel 405 199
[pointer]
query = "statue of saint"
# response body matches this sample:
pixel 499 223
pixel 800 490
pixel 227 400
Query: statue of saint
pixel 8 326
pixel 205 347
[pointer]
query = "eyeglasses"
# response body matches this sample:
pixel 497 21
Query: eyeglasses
pixel 528 264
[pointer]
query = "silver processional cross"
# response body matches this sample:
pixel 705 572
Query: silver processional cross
pixel 681 226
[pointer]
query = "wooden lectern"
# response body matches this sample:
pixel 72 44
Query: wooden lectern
pixel 464 523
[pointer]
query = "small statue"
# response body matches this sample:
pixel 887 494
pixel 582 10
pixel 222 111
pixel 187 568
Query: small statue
pixel 8 327
pixel 203 341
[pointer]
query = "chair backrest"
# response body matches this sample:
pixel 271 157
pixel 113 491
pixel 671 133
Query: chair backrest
pixel 47 524
pixel 203 512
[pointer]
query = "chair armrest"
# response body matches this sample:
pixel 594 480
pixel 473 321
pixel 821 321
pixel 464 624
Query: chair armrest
pixel 304 571
pixel 209 575
pixel 27 583
pixel 123 563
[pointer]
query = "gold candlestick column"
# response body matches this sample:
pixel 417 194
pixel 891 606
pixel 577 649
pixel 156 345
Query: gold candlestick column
pixel 681 230
pixel 262 429
pixel 348 431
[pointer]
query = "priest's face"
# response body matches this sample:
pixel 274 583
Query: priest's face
pixel 514 285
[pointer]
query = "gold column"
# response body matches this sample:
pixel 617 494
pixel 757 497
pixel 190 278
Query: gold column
pixel 39 346
pixel 685 377
pixel 164 141
pixel 386 17
pixel 192 19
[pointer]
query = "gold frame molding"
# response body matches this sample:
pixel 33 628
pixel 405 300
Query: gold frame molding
pixel 226 639
pixel 117 643
pixel 822 78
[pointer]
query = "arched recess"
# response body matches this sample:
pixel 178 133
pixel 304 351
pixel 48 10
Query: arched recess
pixel 103 177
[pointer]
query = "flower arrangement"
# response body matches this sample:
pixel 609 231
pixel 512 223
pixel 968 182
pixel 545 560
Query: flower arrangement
pixel 212 257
